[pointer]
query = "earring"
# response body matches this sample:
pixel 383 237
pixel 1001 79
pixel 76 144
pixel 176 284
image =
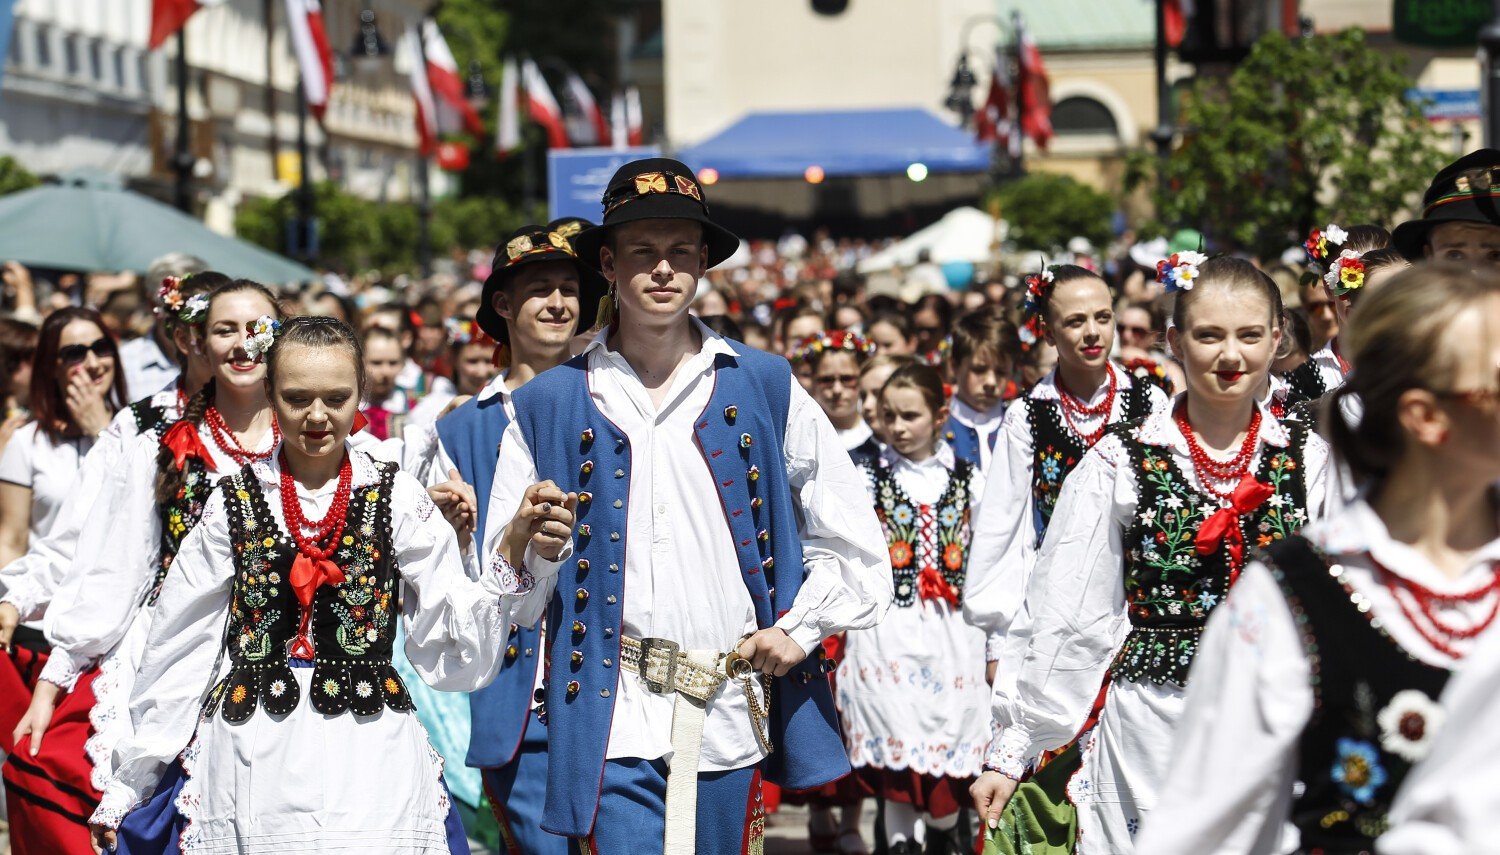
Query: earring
pixel 606 314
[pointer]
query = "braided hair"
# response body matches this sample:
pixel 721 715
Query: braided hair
pixel 170 480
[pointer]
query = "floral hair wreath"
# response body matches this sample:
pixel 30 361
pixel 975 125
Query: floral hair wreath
pixel 833 340
pixel 1033 325
pixel 1321 244
pixel 1179 272
pixel 191 310
pixel 463 332
pixel 263 332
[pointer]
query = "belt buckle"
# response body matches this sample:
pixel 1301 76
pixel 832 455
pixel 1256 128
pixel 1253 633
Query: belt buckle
pixel 671 649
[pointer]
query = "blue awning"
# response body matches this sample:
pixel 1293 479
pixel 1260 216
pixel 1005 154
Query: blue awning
pixel 843 143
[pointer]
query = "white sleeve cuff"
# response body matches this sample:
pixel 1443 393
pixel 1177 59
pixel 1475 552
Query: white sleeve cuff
pixel 62 670
pixel 1008 754
pixel 808 636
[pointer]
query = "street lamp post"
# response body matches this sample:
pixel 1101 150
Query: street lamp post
pixel 302 240
pixel 1163 132
pixel 182 156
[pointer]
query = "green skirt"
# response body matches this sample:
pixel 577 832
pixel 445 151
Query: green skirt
pixel 1039 819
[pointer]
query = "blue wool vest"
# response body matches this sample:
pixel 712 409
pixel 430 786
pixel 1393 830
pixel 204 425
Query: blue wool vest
pixel 499 712
pixel 965 440
pixel 739 436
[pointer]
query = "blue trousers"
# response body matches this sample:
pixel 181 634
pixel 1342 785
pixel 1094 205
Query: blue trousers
pixel 518 791
pixel 632 810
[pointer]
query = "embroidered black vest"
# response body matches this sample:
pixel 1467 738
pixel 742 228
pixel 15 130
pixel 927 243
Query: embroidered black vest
pixel 1169 588
pixel 149 416
pixel 1305 383
pixel 353 623
pixel 1057 450
pixel 902 520
pixel 179 516
pixel 1370 711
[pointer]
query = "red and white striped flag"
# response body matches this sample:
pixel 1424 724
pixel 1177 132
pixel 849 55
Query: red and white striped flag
pixel 619 122
pixel 1035 107
pixel 168 16
pixel 310 41
pixel 438 89
pixel 508 126
pixel 589 108
pixel 542 107
pixel 625 118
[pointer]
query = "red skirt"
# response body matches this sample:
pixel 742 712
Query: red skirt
pixel 18 672
pixel 50 796
pixel 929 794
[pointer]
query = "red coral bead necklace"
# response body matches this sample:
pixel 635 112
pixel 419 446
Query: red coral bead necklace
pixel 1210 470
pixel 1073 406
pixel 230 444
pixel 1443 634
pixel 330 528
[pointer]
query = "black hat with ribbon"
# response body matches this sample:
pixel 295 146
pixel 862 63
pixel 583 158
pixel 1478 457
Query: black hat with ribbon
pixel 535 244
pixel 1465 191
pixel 657 188
pixel 570 227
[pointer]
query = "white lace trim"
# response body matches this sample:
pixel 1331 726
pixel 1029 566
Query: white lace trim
pixel 437 768
pixel 106 721
pixel 964 759
pixel 113 807
pixel 190 798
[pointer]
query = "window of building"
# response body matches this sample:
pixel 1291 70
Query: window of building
pixel 96 60
pixel 13 52
pixel 43 47
pixel 1080 116
pixel 117 63
pixel 70 56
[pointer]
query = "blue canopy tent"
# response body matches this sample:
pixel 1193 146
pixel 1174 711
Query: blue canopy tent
pixel 843 143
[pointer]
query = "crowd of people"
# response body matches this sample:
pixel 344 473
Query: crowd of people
pixel 1128 554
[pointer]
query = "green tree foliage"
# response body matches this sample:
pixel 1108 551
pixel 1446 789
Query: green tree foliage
pixel 1045 211
pixel 14 176
pixel 1303 132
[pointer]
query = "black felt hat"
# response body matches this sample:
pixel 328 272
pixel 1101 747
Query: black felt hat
pixel 570 227
pixel 657 188
pixel 535 244
pixel 1465 191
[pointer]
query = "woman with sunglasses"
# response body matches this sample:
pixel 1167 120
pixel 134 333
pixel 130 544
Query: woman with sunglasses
pixel 834 359
pixel 1141 328
pixel 100 616
pixel 1327 664
pixel 1044 436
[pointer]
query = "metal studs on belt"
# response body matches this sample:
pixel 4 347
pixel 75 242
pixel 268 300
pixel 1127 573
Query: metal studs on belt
pixel 614 536
pixel 611 599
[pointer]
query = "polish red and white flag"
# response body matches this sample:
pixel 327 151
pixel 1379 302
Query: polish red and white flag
pixel 589 107
pixel 310 42
pixel 508 125
pixel 542 106
pixel 442 107
pixel 625 119
pixel 168 16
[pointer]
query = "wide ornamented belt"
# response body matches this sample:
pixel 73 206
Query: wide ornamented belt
pixel 1157 654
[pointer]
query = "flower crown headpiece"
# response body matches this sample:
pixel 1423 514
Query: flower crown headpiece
pixel 190 311
pixel 1033 325
pixel 833 340
pixel 263 332
pixel 1347 273
pixel 1321 245
pixel 1179 272
pixel 465 332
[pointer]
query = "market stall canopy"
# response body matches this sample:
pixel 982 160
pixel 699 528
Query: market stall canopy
pixel 88 221
pixel 842 143
pixel 962 235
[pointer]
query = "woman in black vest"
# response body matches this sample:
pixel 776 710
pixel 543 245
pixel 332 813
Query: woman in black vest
pixel 1327 665
pixel 1149 534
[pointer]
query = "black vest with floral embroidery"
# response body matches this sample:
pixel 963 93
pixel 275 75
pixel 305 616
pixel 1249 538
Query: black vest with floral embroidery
pixel 1057 450
pixel 1304 383
pixel 904 520
pixel 149 416
pixel 1373 706
pixel 178 517
pixel 1169 588
pixel 353 623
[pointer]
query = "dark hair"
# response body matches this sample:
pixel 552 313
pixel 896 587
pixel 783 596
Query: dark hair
pixel 723 325
pixel 48 402
pixel 381 333
pixel 1379 259
pixel 1396 342
pixel 985 329
pixel 169 479
pixel 936 303
pixel 1296 333
pixel 1366 238
pixel 1226 272
pixel 1151 308
pixel 318 331
pixel 924 378
pixel 17 345
pixel 902 323
pixel 402 312
pixel 784 318
pixel 346 305
pixel 830 324
pixel 1062 274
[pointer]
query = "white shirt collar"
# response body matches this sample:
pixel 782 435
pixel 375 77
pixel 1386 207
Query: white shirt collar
pixel 973 418
pixel 1357 530
pixel 496 386
pixel 713 343
pixel 1160 428
pixel 365 470
pixel 856 436
pixel 1046 388
pixel 942 456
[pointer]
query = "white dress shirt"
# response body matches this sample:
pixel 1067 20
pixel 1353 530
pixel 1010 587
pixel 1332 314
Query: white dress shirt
pixel 682 573
pixel 1229 789
pixel 426 458
pixel 985 424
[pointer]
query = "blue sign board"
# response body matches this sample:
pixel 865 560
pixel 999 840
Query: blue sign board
pixel 1447 105
pixel 576 178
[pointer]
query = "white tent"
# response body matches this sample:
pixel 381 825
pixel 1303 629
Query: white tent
pixel 963 234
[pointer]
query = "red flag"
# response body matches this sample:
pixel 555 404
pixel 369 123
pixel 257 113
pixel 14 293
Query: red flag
pixel 541 106
pixel 437 88
pixel 993 121
pixel 1034 91
pixel 1174 20
pixel 589 107
pixel 452 156
pixel 634 122
pixel 310 42
pixel 168 16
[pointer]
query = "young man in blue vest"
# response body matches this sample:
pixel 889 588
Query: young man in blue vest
pixel 722 533
pixel 537 295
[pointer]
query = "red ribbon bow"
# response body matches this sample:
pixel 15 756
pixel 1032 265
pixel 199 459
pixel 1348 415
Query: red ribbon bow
pixel 307 576
pixel 932 586
pixel 1224 525
pixel 184 441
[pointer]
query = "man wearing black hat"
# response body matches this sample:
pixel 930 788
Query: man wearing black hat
pixel 1460 220
pixel 722 534
pixel 537 295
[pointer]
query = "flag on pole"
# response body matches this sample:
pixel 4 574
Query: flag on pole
pixel 310 42
pixel 993 122
pixel 634 124
pixel 168 16
pixel 1034 95
pixel 619 123
pixel 589 108
pixel 421 92
pixel 454 112
pixel 542 107
pixel 508 126
pixel 1175 14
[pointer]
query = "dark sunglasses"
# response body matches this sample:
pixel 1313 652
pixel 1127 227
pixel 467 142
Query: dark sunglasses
pixel 75 354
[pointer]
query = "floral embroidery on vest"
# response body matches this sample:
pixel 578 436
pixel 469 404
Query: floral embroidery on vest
pixel 178 518
pixel 1057 450
pixel 944 527
pixel 1169 588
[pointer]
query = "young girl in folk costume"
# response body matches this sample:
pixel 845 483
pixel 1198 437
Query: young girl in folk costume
pixel 103 610
pixel 872 376
pixel 1044 437
pixel 835 358
pixel 1146 540
pixel 284 600
pixel 1327 664
pixel 912 690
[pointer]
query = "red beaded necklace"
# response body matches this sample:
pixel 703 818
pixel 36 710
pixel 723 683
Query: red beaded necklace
pixel 230 444
pixel 1209 469
pixel 1073 406
pixel 330 527
pixel 1427 600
